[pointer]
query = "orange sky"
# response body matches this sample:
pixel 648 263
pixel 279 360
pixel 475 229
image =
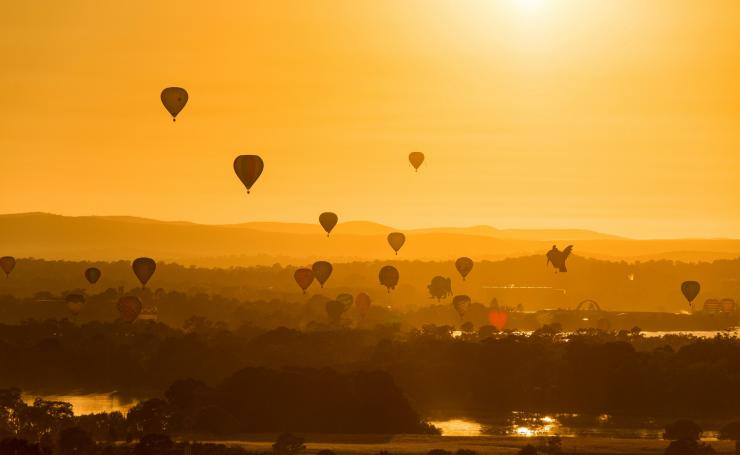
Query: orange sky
pixel 616 115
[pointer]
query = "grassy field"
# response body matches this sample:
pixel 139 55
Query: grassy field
pixel 421 444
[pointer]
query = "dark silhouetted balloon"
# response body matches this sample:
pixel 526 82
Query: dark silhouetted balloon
pixel 7 263
pixel 248 168
pixel 144 269
pixel 328 220
pixel 92 275
pixel 335 310
pixel 174 99
pixel 440 287
pixel 346 300
pixel 129 307
pixel 557 257
pixel 74 303
pixel 396 240
pixel 461 303
pixel 388 277
pixel 362 303
pixel 416 158
pixel 322 271
pixel 690 290
pixel 464 265
pixel 304 278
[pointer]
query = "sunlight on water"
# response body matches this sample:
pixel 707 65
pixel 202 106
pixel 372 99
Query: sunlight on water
pixel 88 404
pixel 459 427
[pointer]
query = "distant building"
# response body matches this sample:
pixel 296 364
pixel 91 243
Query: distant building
pixel 149 313
pixel 714 306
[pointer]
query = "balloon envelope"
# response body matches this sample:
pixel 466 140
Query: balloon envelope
pixel 7 263
pixel 248 168
pixel 129 307
pixel 346 300
pixel 174 99
pixel 498 319
pixel 362 303
pixel 396 240
pixel 328 220
pixel 322 271
pixel 388 277
pixel 335 310
pixel 461 303
pixel 304 278
pixel 144 269
pixel 92 275
pixel 416 158
pixel 690 290
pixel 464 265
pixel 74 303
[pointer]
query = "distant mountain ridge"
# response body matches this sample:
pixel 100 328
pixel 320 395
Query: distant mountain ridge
pixel 48 236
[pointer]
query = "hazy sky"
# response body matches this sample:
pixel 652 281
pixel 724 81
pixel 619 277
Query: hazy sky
pixel 616 115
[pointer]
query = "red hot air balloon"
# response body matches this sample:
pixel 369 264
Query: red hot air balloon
pixel 129 307
pixel 362 303
pixel 304 278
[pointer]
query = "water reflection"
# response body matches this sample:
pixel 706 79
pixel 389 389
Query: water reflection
pixel 459 427
pixel 89 403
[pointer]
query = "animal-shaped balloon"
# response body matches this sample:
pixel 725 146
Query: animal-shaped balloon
pixel 557 257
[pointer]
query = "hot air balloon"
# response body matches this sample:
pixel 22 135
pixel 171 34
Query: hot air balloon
pixel 92 275
pixel 322 271
pixel 362 303
pixel 461 303
pixel 304 278
pixel 7 263
pixel 328 220
pixel 388 277
pixel 464 265
pixel 690 290
pixel 396 240
pixel 248 168
pixel 74 303
pixel 346 300
pixel 129 307
pixel 144 269
pixel 334 310
pixel 498 319
pixel 174 99
pixel 416 158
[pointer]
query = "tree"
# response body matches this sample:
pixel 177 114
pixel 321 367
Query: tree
pixel 731 431
pixel 683 429
pixel 154 444
pixel 287 444
pixel 16 446
pixel 529 449
pixel 151 416
pixel 440 288
pixel 75 441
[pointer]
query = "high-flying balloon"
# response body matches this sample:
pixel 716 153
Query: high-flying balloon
pixel 362 303
pixel 304 278
pixel 464 265
pixel 74 303
pixel 129 307
pixel 328 220
pixel 388 277
pixel 346 300
pixel 248 168
pixel 396 240
pixel 144 269
pixel 92 275
pixel 322 271
pixel 461 303
pixel 416 158
pixel 174 99
pixel 690 290
pixel 7 263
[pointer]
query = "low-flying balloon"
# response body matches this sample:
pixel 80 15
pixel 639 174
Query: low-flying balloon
pixel 557 258
pixel 464 265
pixel 362 303
pixel 328 220
pixel 7 263
pixel 690 290
pixel 92 275
pixel 129 307
pixel 322 271
pixel 461 303
pixel 416 158
pixel 304 278
pixel 388 277
pixel 144 269
pixel 74 303
pixel 396 240
pixel 334 310
pixel 346 300
pixel 248 168
pixel 498 319
pixel 174 99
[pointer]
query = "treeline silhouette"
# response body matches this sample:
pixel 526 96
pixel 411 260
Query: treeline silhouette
pixel 655 285
pixel 588 371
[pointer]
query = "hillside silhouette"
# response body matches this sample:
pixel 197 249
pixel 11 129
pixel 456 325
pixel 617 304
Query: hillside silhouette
pixel 49 236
